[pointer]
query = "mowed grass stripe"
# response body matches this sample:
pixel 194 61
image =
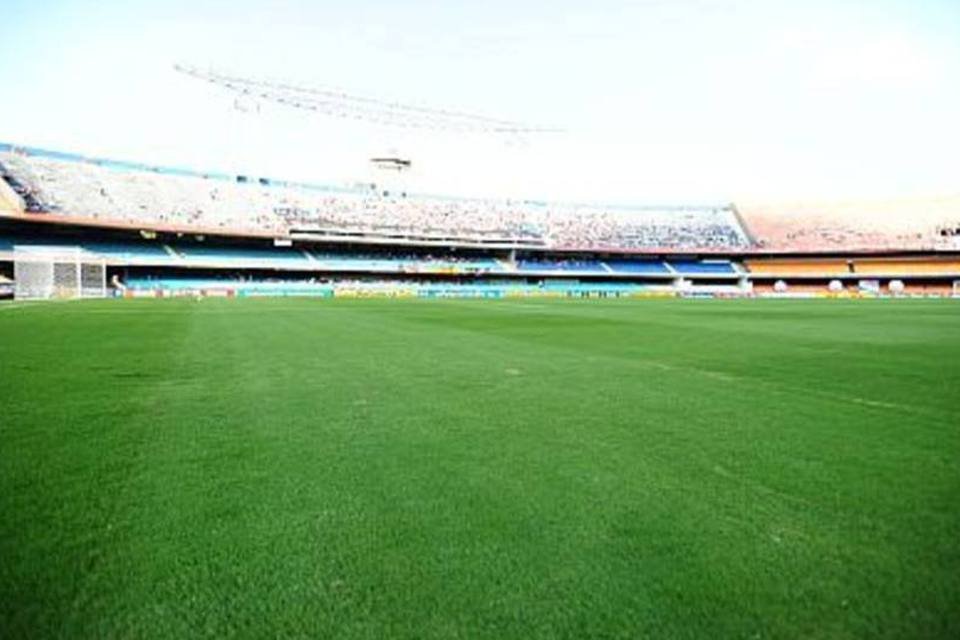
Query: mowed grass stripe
pixel 525 469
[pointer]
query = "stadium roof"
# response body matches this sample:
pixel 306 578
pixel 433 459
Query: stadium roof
pixel 337 103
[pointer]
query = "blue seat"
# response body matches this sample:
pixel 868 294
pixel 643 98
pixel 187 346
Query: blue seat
pixel 236 253
pixel 127 249
pixel 639 267
pixel 579 266
pixel 697 267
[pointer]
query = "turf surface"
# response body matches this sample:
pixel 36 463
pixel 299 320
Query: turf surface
pixel 480 469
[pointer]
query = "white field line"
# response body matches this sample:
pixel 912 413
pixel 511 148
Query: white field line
pixel 20 304
pixel 863 401
pixel 4 306
pixel 731 378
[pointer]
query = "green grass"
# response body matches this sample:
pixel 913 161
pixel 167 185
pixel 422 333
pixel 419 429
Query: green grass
pixel 480 469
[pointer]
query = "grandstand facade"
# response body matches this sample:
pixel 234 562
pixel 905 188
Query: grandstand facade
pixel 167 231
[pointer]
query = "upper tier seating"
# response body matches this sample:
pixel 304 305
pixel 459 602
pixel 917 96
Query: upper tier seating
pixel 917 224
pixel 107 192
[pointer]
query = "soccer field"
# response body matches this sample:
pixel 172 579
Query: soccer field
pixel 480 469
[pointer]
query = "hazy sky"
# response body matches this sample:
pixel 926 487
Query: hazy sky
pixel 682 100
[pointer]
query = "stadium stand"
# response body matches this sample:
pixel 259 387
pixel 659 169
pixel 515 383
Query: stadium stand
pixel 163 230
pixel 115 193
pixel 673 228
pixel 906 224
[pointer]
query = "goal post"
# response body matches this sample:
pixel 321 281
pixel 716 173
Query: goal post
pixel 44 272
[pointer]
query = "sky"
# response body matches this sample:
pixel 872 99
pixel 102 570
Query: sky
pixel 660 101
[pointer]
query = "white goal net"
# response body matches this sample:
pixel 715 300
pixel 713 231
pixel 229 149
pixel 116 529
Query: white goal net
pixel 41 272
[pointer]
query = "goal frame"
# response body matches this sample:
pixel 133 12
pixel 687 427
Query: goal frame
pixel 49 272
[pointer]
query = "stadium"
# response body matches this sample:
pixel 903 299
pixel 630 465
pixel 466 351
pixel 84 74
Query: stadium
pixel 154 231
pixel 239 401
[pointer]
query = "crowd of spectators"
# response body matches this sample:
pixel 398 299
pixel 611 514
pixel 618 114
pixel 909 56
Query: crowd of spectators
pixel 105 192
pixel 93 191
